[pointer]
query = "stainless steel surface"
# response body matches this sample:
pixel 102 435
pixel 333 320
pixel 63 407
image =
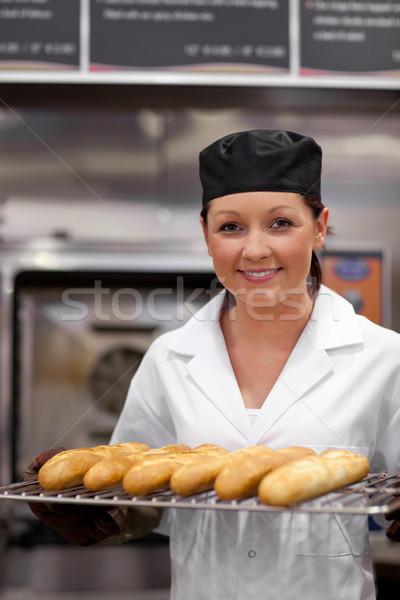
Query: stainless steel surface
pixel 369 496
pixel 124 166
pixel 56 336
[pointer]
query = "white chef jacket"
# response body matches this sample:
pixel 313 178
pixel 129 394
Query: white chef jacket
pixel 339 389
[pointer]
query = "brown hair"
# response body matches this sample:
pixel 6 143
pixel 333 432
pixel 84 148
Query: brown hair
pixel 316 207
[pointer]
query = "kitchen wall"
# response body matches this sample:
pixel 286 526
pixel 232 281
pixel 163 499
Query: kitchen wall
pixel 119 164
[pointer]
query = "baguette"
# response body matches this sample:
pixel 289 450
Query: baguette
pixel 240 478
pixel 123 449
pixel 68 468
pixel 171 449
pixel 67 471
pixel 196 478
pixel 108 473
pixel 110 451
pixel 311 477
pixel 151 475
pixel 210 450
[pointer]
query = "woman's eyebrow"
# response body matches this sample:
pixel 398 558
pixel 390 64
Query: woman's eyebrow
pixel 227 212
pixel 235 212
pixel 283 206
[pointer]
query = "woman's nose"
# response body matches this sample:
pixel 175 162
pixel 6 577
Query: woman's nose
pixel 256 246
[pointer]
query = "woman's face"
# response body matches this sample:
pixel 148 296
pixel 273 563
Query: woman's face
pixel 262 242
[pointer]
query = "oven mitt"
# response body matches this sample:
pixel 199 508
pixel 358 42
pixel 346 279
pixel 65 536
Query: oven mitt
pixel 87 525
pixel 393 531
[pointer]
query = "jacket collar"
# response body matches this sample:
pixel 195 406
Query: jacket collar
pixel 333 324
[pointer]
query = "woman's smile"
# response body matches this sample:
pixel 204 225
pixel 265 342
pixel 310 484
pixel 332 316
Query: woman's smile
pixel 259 275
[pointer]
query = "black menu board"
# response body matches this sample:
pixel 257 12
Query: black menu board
pixel 266 42
pixel 224 35
pixel 39 34
pixel 350 36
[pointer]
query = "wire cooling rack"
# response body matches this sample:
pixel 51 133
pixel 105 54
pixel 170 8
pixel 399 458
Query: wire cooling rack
pixel 370 496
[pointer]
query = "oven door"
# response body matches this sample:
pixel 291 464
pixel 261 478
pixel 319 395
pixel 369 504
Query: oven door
pixel 78 340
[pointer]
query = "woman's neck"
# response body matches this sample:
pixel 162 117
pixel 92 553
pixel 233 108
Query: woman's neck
pixel 281 322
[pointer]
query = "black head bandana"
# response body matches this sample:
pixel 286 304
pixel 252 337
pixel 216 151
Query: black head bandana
pixel 261 160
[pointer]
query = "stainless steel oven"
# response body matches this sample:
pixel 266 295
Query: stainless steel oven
pixel 75 323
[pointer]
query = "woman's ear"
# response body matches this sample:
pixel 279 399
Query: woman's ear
pixel 321 228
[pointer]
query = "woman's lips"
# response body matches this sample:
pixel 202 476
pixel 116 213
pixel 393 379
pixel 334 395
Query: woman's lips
pixel 259 275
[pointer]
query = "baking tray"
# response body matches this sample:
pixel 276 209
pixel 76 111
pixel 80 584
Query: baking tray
pixel 369 496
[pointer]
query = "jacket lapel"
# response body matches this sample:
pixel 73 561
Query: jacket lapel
pixel 209 366
pixel 307 366
pixel 333 324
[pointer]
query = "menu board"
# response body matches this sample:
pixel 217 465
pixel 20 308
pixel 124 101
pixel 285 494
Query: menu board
pixel 350 36
pixel 200 34
pixel 39 34
pixel 255 42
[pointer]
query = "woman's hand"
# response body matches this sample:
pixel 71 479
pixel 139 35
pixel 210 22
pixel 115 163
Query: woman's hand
pixel 393 531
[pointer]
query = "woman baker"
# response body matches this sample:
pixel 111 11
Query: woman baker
pixel 275 359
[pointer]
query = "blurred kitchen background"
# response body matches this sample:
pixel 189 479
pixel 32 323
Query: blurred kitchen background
pixel 99 190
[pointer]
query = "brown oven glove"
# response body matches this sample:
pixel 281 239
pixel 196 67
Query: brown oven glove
pixel 393 531
pixel 87 525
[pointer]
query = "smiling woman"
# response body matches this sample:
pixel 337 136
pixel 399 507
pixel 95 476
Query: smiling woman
pixel 262 239
pixel 269 361
pixel 274 161
pixel 261 244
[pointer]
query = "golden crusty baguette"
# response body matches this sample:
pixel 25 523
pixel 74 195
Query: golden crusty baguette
pixel 75 463
pixel 195 478
pixel 210 450
pixel 67 468
pixel 171 449
pixel 240 478
pixel 109 472
pixel 122 449
pixel 107 451
pixel 106 475
pixel 311 477
pixel 150 475
pixel 67 471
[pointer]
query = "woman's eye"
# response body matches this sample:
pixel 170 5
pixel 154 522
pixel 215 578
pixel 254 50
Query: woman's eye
pixel 229 227
pixel 281 224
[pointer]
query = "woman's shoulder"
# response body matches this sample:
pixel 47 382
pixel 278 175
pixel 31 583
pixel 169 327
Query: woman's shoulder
pixel 334 308
pixel 376 333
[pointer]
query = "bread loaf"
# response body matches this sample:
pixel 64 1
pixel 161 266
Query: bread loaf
pixel 279 477
pixel 68 468
pixel 67 471
pixel 171 449
pixel 311 477
pixel 153 474
pixel 240 477
pixel 123 449
pixel 108 473
pixel 209 450
pixel 196 478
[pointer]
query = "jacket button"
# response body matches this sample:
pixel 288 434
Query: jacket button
pixel 251 553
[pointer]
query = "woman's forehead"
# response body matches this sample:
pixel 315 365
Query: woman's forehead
pixel 266 201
